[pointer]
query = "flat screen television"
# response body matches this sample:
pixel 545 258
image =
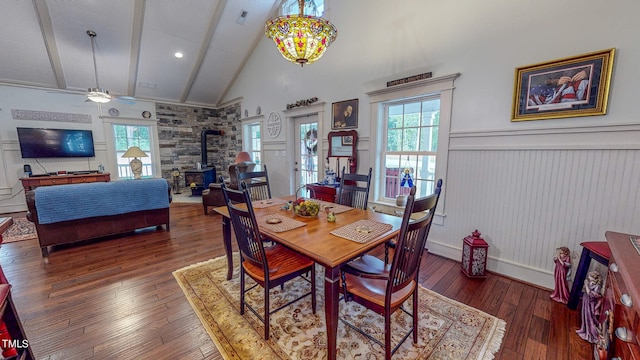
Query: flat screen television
pixel 55 143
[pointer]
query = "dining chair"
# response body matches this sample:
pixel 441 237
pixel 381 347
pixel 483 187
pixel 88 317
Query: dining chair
pixel 372 264
pixel 354 189
pixel 257 183
pixel 212 196
pixel 385 292
pixel 268 266
pixel 391 244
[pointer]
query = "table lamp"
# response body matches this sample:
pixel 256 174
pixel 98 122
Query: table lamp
pixel 136 164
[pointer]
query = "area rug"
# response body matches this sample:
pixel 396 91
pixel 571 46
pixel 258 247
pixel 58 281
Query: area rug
pixel 22 229
pixel 185 197
pixel 447 329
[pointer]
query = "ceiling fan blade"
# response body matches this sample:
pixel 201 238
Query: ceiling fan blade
pixel 126 99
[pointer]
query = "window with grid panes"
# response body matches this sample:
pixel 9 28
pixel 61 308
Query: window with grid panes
pixel 253 143
pixel 410 146
pixel 126 136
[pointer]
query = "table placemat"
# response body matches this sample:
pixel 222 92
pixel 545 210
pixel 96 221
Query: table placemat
pixel 286 223
pixel 261 204
pixel 336 208
pixel 350 232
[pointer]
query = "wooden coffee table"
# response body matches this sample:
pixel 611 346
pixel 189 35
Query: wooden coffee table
pixel 5 223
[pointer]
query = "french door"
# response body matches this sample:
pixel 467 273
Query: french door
pixel 306 151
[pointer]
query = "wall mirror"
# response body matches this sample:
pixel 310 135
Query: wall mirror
pixel 343 144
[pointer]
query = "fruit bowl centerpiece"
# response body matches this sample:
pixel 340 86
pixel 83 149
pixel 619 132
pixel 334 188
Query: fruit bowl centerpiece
pixel 306 207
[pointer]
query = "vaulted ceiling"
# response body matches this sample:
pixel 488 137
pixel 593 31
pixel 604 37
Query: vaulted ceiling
pixel 44 44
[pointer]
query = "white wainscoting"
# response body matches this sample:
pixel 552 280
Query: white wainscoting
pixel 528 201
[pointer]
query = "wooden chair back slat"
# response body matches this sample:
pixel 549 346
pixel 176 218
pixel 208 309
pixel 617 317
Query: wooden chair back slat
pixel 257 183
pixel 354 189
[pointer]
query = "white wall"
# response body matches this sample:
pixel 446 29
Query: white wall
pixel 527 186
pixel 530 186
pixel 11 162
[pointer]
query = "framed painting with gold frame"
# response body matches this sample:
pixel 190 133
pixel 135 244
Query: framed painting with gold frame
pixel 569 87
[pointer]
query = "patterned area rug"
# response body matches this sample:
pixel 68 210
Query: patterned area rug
pixel 448 329
pixel 22 229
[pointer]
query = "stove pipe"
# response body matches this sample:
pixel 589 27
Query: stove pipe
pixel 203 143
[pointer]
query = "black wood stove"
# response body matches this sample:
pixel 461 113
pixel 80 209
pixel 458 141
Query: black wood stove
pixel 199 179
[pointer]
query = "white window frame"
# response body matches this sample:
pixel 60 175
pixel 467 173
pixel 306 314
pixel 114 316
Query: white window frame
pixel 403 155
pixel 442 87
pixel 247 144
pixel 112 162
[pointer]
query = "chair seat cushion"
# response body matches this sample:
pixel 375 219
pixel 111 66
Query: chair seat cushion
pixel 373 290
pixel 370 264
pixel 282 262
pixel 599 247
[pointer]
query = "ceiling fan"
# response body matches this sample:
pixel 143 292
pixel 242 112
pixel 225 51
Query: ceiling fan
pixel 97 94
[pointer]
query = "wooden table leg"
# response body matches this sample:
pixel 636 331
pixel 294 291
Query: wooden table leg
pixel 331 295
pixel 226 236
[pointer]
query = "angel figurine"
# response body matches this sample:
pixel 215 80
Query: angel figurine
pixel 591 306
pixel 561 274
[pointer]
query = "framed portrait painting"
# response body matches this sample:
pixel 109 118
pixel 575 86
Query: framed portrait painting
pixel 345 114
pixel 569 87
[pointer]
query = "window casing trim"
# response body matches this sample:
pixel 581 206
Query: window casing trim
pixel 112 162
pixel 246 136
pixel 378 98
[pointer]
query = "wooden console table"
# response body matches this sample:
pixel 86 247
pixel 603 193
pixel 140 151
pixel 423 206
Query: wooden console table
pixel 10 322
pixel 323 192
pixel 623 280
pixel 30 183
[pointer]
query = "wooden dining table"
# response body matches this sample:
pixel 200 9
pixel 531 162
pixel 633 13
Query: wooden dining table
pixel 315 241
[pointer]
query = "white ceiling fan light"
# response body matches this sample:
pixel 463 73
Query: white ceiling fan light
pixel 97 94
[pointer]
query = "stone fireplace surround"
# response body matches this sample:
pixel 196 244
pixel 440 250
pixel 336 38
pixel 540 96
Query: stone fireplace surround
pixel 179 132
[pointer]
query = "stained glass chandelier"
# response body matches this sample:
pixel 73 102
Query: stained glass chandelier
pixel 301 39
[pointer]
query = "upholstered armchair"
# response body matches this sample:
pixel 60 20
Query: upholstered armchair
pixel 213 195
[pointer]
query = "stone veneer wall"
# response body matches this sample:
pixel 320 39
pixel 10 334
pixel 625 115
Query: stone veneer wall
pixel 179 132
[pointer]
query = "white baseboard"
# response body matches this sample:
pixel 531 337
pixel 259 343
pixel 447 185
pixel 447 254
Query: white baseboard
pixel 538 277
pixel 12 208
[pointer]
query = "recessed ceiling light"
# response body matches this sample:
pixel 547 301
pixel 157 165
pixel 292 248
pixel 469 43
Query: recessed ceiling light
pixel 179 55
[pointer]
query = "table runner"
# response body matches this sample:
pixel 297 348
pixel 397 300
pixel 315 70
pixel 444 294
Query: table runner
pixel 350 231
pixel 286 224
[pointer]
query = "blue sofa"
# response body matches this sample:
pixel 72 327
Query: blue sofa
pixel 69 213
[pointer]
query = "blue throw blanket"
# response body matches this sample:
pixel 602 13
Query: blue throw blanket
pixel 79 201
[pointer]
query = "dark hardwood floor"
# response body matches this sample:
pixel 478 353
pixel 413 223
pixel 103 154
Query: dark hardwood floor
pixel 117 298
